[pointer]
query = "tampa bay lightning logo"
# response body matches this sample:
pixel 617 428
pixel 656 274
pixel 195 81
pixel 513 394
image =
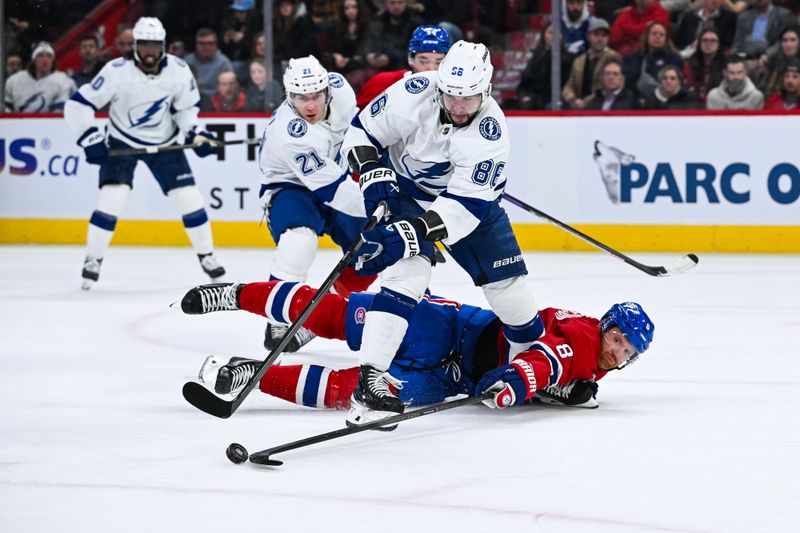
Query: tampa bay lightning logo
pixel 335 80
pixel 490 128
pixel 416 84
pixel 148 114
pixel 35 103
pixel 297 127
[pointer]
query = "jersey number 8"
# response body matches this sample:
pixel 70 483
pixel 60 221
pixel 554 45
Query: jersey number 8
pixel 487 172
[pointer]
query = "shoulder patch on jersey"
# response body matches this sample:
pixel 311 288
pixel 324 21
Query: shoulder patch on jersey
pixel 490 128
pixel 416 84
pixel 119 62
pixel 297 127
pixel 335 80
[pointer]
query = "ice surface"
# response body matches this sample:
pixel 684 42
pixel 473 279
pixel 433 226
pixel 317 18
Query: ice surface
pixel 701 435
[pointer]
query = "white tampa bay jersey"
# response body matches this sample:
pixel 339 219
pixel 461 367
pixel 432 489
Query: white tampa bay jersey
pixel 146 109
pixel 456 172
pixel 26 94
pixel 296 153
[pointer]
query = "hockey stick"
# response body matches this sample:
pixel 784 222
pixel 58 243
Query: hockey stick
pixel 210 403
pixel 175 147
pixel 263 457
pixel 686 262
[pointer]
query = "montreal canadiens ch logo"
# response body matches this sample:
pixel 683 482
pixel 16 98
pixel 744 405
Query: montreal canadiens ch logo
pixel 416 85
pixel 361 315
pixel 335 80
pixel 297 127
pixel 490 128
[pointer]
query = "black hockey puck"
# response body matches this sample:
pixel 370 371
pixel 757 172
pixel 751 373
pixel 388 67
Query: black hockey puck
pixel 237 453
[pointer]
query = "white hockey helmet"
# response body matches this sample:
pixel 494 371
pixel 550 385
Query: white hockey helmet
pixel 305 75
pixel 149 29
pixel 465 70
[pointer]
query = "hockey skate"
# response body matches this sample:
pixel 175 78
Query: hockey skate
pixel 228 376
pixel 211 297
pixel 91 272
pixel 275 332
pixel 373 399
pixel 573 394
pixel 211 267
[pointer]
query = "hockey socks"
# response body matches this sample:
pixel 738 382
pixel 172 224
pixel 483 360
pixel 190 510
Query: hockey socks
pixel 283 301
pixel 311 385
pixel 521 337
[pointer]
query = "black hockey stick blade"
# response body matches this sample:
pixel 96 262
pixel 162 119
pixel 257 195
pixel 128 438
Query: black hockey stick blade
pixel 263 457
pixel 687 262
pixel 210 403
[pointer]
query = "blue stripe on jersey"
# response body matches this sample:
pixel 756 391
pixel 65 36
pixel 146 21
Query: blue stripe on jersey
pixel 357 123
pixel 103 220
pixel 410 188
pixel 555 365
pixel 389 301
pixel 140 141
pixel 196 218
pixel 279 300
pixel 327 192
pixel 78 97
pixel 311 386
pixel 478 208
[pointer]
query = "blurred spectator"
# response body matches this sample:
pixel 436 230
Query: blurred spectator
pixel 123 46
pixel 575 24
pixel 388 36
pixel 535 89
pixel 259 45
pixel 293 33
pixel 709 15
pixel 703 71
pixel 676 7
pixel 759 27
pixel 491 16
pixel 228 98
pixel 20 35
pixel 454 11
pixel 177 48
pixel 610 9
pixel 239 27
pixel 13 64
pixel 629 26
pixel 736 90
pixel 324 13
pixel 670 93
pixel 776 63
pixel 613 96
pixel 41 88
pixel 788 96
pixel 346 54
pixel 586 75
pixel 654 53
pixel 89 47
pixel 208 61
pixel 255 94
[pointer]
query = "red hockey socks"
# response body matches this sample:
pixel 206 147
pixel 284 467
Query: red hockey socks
pixel 283 301
pixel 349 282
pixel 311 385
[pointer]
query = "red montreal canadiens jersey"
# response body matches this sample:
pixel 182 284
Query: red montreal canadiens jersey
pixel 569 349
pixel 377 84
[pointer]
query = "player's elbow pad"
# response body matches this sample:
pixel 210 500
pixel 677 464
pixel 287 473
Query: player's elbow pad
pixel 362 158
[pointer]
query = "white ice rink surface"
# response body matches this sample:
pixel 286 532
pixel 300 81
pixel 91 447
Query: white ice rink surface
pixel 701 434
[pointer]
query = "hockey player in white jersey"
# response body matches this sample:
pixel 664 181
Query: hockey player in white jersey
pixel 41 88
pixel 307 188
pixel 154 98
pixel 433 147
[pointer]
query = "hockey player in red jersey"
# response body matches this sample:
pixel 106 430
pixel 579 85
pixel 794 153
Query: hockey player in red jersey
pixel 449 349
pixel 426 49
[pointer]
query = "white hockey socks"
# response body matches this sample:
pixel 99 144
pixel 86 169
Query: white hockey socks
pixel 191 206
pixel 294 254
pixel 513 302
pixel 110 204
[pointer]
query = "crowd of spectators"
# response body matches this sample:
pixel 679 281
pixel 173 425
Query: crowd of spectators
pixel 615 54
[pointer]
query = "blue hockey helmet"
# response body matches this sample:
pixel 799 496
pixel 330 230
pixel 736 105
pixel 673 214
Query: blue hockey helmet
pixel 634 323
pixel 428 39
